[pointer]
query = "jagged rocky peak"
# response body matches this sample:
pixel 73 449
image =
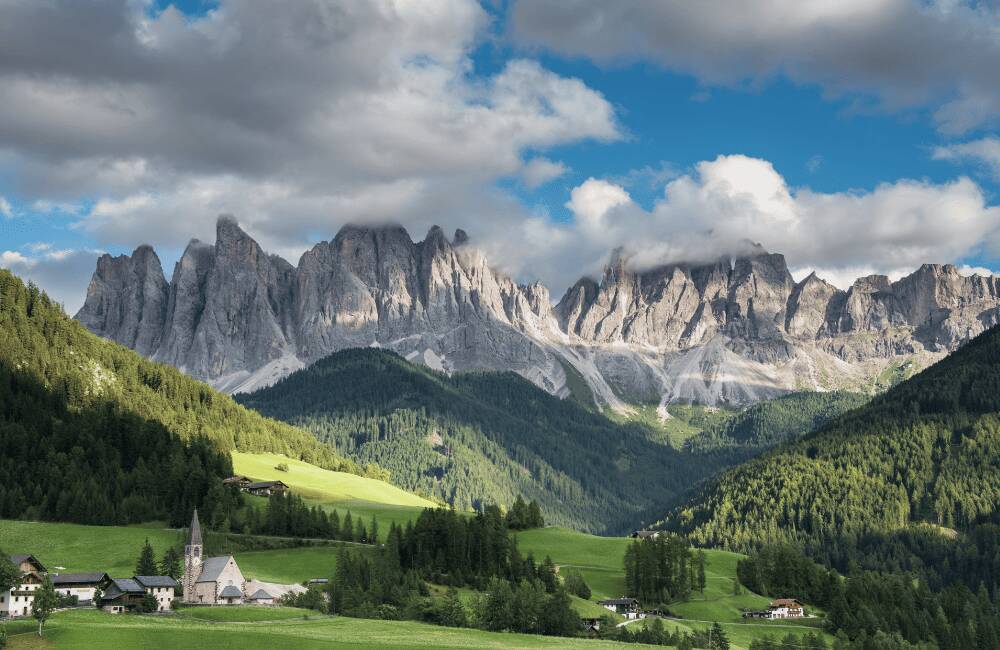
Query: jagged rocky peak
pixel 737 328
pixel 127 299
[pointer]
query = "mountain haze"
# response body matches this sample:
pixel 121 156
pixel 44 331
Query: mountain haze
pixel 735 331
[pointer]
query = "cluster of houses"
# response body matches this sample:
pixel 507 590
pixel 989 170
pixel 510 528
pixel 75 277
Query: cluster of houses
pixel 780 608
pixel 206 581
pixel 115 594
pixel 257 488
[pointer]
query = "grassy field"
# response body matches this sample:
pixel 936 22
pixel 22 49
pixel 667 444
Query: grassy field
pixel 364 497
pixel 69 548
pixel 600 560
pixel 92 629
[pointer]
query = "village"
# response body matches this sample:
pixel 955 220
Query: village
pixel 205 581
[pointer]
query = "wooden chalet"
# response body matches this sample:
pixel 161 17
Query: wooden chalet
pixel 266 488
pixel 18 600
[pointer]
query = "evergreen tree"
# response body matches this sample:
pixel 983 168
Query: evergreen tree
pixel 170 565
pixel 699 571
pixel 718 638
pixel 146 565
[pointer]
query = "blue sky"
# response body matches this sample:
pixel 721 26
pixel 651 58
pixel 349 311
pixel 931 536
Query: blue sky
pixel 673 150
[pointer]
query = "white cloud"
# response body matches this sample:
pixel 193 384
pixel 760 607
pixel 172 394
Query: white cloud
pixel 941 54
pixel 985 152
pixel 539 171
pixel 724 204
pixel 6 209
pixel 967 270
pixel 296 118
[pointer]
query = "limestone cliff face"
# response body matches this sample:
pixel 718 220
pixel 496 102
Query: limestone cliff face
pixel 734 330
pixel 127 300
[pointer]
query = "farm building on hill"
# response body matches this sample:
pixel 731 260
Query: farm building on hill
pixel 627 607
pixel 17 601
pixel 779 608
pixel 257 488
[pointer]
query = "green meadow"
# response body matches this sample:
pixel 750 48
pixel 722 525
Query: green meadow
pixel 364 497
pixel 80 629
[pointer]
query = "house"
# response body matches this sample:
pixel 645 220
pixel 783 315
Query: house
pixel 162 588
pixel 211 580
pixel 238 481
pixel 266 488
pixel 780 608
pixel 592 626
pixel 122 595
pixel 627 607
pixel 318 582
pixel 82 585
pixel 786 608
pixel 18 600
pixel 261 597
pixel 646 534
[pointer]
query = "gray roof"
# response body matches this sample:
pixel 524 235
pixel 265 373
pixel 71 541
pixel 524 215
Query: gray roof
pixel 127 585
pixel 212 568
pixel 17 559
pixel 78 578
pixel 156 581
pixel 265 484
pixel 618 601
pixel 260 595
pixel 194 538
pixel 231 592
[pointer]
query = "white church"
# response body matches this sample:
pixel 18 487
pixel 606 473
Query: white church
pixel 219 581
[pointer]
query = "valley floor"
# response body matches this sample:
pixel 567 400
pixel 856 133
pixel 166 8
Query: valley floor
pixel 80 629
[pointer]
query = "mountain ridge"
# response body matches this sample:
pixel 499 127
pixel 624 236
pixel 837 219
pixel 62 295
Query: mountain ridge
pixel 734 331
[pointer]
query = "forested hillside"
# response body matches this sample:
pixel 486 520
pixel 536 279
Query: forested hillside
pixel 481 437
pixel 927 450
pixel 767 424
pixel 95 433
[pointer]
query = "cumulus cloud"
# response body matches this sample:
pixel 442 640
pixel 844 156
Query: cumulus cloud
pixel 940 54
pixel 985 152
pixel 296 117
pixel 539 171
pixel 6 209
pixel 725 204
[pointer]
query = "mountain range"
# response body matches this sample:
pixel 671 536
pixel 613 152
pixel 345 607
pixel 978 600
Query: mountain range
pixel 733 331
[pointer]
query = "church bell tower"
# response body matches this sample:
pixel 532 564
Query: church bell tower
pixel 192 560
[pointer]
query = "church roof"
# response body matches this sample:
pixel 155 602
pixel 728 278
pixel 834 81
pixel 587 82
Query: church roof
pixel 194 538
pixel 261 595
pixel 212 568
pixel 231 592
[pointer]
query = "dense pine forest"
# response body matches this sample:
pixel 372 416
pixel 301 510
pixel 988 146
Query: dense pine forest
pixel 927 450
pixel 481 437
pixel 97 434
pixel 900 496
pixel 767 424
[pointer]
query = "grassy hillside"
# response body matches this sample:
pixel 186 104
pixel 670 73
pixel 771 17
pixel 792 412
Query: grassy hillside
pixel 600 560
pixel 927 450
pixel 116 438
pixel 114 549
pixel 90 629
pixel 476 438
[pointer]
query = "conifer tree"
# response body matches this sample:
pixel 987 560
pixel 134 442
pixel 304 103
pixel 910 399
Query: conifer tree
pixel 146 565
pixel 170 565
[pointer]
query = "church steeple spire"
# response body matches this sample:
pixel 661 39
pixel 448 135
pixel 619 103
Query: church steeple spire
pixel 194 537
